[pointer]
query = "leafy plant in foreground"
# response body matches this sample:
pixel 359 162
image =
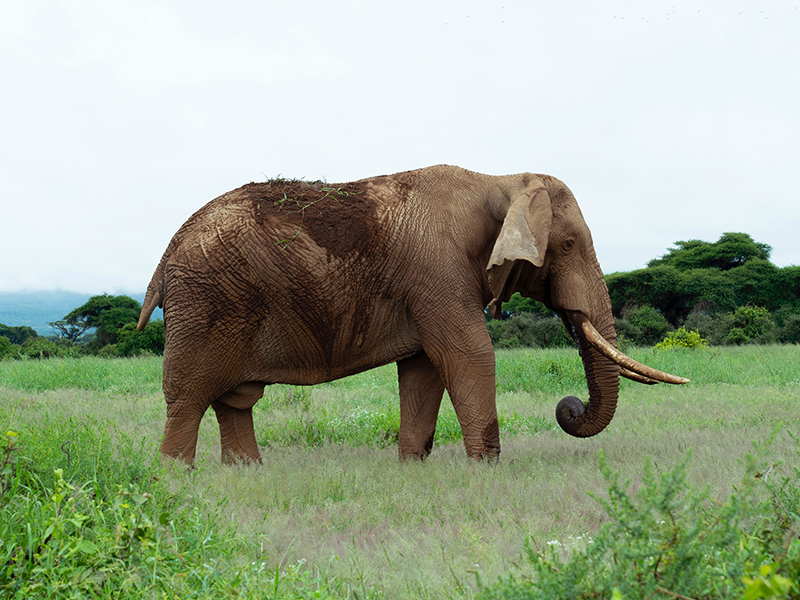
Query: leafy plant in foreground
pixel 672 541
pixel 63 540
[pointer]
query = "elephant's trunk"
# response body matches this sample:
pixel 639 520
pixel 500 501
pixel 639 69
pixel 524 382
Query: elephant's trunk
pixel 603 364
pixel 602 379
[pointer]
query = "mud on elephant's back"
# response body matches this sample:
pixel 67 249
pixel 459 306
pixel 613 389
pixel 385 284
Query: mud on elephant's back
pixel 342 219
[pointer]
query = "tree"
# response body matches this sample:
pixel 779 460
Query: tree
pixel 714 278
pixel 730 251
pixel 107 314
pixel 18 335
pixel 519 304
pixel 661 287
pixel 69 331
pixel 132 341
pixel 642 325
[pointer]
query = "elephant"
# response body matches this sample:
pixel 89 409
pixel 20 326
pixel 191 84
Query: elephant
pixel 300 283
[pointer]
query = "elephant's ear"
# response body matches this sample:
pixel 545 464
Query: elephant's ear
pixel 524 236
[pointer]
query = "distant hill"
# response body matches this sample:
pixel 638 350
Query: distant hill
pixel 37 309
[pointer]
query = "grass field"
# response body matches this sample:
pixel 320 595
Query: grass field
pixel 331 512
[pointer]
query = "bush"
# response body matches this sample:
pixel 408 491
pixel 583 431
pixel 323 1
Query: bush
pixel 682 338
pixel 713 328
pixel 746 325
pixel 669 540
pixel 39 348
pixel 519 304
pixel 789 333
pixel 529 330
pixel 111 528
pixel 641 325
pixel 132 341
pixel 787 325
pixel 754 320
pixel 17 335
pixel 6 348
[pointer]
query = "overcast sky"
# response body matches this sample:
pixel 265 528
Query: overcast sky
pixel 118 119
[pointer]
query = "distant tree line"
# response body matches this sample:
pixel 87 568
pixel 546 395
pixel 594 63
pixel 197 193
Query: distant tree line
pixel 728 291
pixel 104 326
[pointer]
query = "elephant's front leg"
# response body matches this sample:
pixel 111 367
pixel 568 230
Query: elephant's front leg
pixel 467 365
pixel 234 412
pixel 421 390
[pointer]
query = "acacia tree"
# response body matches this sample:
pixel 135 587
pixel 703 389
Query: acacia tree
pixel 729 251
pixel 720 276
pixel 107 314
pixel 68 331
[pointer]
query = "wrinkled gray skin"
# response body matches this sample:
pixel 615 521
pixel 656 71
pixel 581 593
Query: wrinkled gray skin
pixel 288 282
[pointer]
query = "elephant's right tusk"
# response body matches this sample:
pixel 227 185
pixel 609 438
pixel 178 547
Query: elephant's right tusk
pixel 625 362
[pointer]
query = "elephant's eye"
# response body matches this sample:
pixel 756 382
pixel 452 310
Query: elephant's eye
pixel 568 245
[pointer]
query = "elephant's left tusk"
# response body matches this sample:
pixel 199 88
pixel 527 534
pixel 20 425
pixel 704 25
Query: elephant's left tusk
pixel 623 360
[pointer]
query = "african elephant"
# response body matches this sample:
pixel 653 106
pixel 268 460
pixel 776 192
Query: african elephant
pixel 300 283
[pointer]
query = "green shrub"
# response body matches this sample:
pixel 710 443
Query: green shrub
pixel 669 540
pixel 755 322
pixel 519 304
pixel 789 333
pixel 529 330
pixel 641 325
pixel 132 341
pixel 712 327
pixel 6 348
pixel 787 325
pixel 746 325
pixel 627 334
pixel 736 337
pixel 39 348
pixel 18 335
pixel 650 322
pixel 682 338
pixel 63 537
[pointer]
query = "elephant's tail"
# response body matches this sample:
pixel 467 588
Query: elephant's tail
pixel 154 296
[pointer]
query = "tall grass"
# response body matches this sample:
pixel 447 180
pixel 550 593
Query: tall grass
pixel 333 513
pixel 113 376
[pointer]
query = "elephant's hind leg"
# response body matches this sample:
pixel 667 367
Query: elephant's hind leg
pixel 180 432
pixel 421 390
pixel 234 412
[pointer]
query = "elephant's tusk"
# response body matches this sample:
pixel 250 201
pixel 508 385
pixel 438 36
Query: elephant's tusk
pixel 636 377
pixel 623 360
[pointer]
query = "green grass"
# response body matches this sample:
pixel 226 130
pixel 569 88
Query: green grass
pixel 331 507
pixel 124 376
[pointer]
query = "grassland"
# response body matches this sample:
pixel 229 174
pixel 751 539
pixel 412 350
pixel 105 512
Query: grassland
pixel 332 512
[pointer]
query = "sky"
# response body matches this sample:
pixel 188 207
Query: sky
pixel 118 119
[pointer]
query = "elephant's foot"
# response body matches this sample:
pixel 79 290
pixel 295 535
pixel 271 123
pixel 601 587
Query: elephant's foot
pixel 237 434
pixel 485 445
pixel 408 450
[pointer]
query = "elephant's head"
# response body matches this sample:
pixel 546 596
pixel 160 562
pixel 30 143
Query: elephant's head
pixel 544 251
